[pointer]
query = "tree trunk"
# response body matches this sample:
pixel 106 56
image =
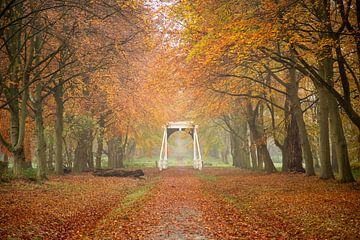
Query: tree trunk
pixel 292 147
pixel 285 156
pixel 254 161
pixel 118 173
pixel 242 127
pixel 121 150
pixel 326 171
pixel 83 153
pixel 245 156
pixel 285 146
pixel 115 153
pixel 81 156
pixel 260 163
pixel 334 162
pixel 18 151
pixel 4 165
pixel 90 159
pixel 20 77
pixel 265 155
pixel 316 158
pixel 326 66
pixel 130 151
pixel 341 150
pixel 41 144
pixel 255 144
pixel 239 145
pixel 358 148
pixel 110 153
pixel 100 143
pixel 326 72
pixel 59 126
pixel 235 150
pixel 68 160
pixel 304 139
pixel 225 153
pixel 260 139
pixel 19 161
pixel 282 147
pixel 50 161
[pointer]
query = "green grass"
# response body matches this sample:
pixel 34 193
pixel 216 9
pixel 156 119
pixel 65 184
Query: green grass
pixel 208 177
pixel 28 174
pixel 147 162
pixel 133 201
pixel 217 164
pixel 141 163
pixel 134 196
pixel 356 173
pixel 6 177
pixel 129 201
pixel 232 200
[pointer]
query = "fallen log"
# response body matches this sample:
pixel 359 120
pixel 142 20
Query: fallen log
pixel 117 172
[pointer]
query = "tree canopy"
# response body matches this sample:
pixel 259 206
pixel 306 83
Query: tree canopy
pixel 86 78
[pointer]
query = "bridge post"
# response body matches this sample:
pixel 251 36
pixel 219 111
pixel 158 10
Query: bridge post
pixel 197 162
pixel 165 162
pixel 162 164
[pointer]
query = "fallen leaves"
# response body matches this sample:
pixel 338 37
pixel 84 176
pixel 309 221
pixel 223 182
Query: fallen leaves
pixel 181 203
pixel 283 206
pixel 64 207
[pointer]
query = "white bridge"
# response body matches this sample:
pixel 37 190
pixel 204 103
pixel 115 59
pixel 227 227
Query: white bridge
pixel 170 128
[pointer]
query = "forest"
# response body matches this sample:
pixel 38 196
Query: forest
pixel 86 87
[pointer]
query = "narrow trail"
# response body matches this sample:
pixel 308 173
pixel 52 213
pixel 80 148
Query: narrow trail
pixel 176 206
pixel 173 210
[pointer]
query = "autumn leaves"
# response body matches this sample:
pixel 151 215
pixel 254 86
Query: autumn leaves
pixel 181 203
pixel 70 74
pixel 284 65
pixel 97 73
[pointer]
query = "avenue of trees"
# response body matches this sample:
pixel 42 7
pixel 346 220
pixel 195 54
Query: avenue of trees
pixel 79 79
pixel 291 69
pixel 69 75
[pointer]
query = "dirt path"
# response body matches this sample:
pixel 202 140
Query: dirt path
pixel 176 207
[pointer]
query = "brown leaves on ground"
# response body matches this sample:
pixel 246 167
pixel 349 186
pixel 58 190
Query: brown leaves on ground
pixel 182 204
pixel 170 211
pixel 281 206
pixel 62 208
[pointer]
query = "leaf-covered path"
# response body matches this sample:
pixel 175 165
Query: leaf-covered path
pixel 176 207
pixel 182 203
pixel 234 204
pixel 172 209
